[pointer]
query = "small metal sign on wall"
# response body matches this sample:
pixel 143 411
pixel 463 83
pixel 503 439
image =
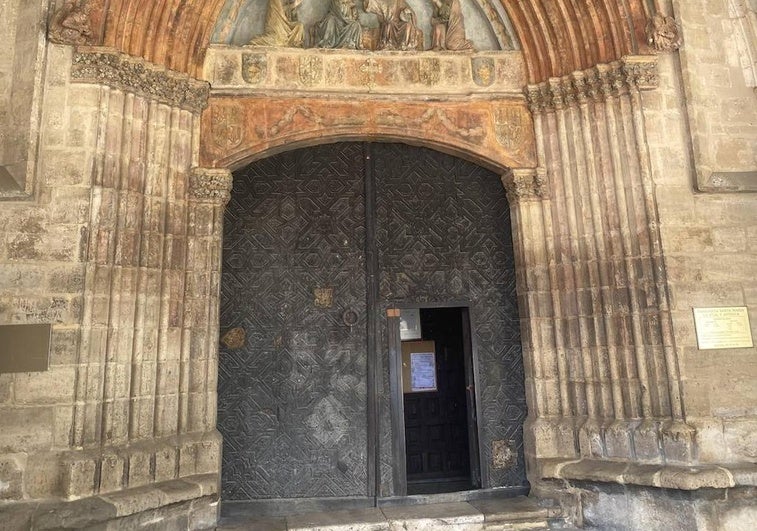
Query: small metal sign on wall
pixel 24 347
pixel 723 328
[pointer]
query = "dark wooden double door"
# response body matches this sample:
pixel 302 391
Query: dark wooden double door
pixel 318 244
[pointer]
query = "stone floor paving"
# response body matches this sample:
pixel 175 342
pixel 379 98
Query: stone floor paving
pixel 512 514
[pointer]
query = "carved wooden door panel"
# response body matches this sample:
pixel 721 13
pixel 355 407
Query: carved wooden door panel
pixel 292 401
pixel 444 235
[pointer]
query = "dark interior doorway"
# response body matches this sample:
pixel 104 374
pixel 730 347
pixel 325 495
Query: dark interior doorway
pixel 439 404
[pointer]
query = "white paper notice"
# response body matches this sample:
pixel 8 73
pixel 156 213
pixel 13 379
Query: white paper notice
pixel 423 371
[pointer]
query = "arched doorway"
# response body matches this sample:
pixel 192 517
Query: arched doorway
pixel 322 248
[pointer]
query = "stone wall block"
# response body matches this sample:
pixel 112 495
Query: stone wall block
pixel 646 441
pixel 678 441
pixel 26 429
pixel 204 514
pixel 112 473
pixel 12 468
pixel 740 437
pixel 63 417
pixel 43 477
pixel 6 388
pixel 140 467
pixel 79 476
pixel 166 463
pixel 618 440
pixel 590 439
pixel 187 459
pixel 209 454
pixel 54 386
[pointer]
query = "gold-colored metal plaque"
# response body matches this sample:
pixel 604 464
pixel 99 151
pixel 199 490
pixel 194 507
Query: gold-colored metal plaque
pixel 726 327
pixel 323 297
pixel 24 348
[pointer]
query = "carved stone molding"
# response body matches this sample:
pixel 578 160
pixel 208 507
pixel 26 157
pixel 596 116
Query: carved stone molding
pixel 107 67
pixel 525 185
pixel 72 23
pixel 641 71
pixel 663 33
pixel 236 130
pixel 210 184
pixel 637 72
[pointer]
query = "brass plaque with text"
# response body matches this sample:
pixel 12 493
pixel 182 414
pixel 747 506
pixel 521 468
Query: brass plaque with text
pixel 721 328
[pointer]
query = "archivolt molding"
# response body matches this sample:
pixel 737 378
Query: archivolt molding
pixel 594 84
pixel 106 67
pixel 556 36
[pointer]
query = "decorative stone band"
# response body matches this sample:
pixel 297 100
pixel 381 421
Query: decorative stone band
pixel 210 184
pixel 525 185
pixel 637 72
pixel 114 69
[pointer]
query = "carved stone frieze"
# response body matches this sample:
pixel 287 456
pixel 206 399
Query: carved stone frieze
pixel 525 185
pixel 467 127
pixel 311 70
pixel 72 23
pixel 595 84
pixel 254 67
pixel 277 70
pixel 483 71
pixel 641 71
pixel 512 127
pixel 370 69
pixel 430 71
pixel 116 70
pixel 663 33
pixel 237 129
pixel 210 184
pixel 227 125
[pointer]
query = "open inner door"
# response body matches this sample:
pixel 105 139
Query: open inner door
pixel 439 401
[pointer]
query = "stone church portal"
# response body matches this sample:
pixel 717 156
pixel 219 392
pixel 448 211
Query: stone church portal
pixel 319 245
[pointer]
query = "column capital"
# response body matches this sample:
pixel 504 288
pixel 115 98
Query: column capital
pixel 210 184
pixel 525 184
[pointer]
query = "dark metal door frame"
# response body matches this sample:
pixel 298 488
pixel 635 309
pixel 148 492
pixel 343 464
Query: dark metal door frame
pixel 397 399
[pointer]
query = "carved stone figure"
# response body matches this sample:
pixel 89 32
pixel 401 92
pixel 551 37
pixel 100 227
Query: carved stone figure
pixel 281 25
pixel 399 30
pixel 71 23
pixel 448 27
pixel 663 34
pixel 340 27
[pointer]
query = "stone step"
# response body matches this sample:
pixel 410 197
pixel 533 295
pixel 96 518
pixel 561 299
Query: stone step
pixel 513 514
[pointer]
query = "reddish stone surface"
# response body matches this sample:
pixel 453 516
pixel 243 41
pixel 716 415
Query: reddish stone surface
pixel 235 131
pixel 557 36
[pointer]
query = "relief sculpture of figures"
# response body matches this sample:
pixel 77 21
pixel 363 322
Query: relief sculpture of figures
pixel 448 27
pixel 399 30
pixel 281 25
pixel 340 27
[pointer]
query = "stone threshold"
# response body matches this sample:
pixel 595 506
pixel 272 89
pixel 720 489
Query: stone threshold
pixel 666 476
pixel 106 508
pixel 492 514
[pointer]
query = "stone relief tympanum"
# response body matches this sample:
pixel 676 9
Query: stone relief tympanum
pixel 281 25
pixel 364 24
pixel 448 27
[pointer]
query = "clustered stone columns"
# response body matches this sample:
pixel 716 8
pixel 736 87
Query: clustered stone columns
pixel 145 392
pixel 604 378
pixel 209 192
